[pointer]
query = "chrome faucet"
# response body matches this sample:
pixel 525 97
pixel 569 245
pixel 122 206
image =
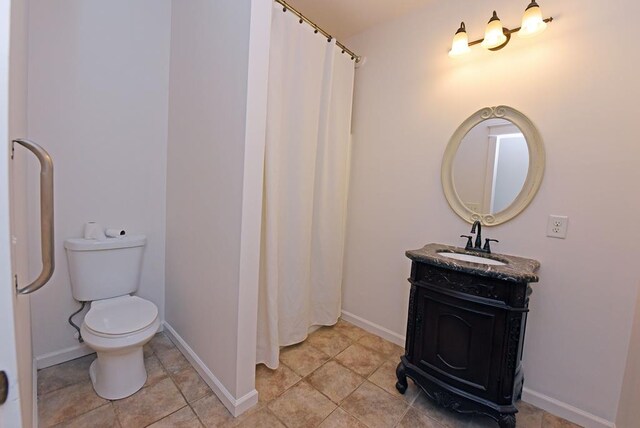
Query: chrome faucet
pixel 478 244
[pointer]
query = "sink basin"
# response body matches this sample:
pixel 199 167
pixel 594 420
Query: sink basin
pixel 473 259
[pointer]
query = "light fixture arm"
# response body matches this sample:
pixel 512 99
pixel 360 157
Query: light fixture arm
pixel 507 32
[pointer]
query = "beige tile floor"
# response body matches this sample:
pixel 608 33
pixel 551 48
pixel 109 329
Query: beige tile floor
pixel 342 376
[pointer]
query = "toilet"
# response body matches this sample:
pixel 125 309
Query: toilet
pixel 118 324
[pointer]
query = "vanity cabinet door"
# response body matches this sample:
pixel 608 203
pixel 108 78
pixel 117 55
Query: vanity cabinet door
pixel 459 342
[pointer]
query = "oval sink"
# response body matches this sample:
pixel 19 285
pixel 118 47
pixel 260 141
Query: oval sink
pixel 473 259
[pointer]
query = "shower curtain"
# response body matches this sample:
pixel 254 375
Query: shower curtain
pixel 305 185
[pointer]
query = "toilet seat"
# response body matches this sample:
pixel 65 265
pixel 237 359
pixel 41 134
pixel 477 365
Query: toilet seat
pixel 120 316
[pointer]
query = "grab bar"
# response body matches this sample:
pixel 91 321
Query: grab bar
pixel 46 215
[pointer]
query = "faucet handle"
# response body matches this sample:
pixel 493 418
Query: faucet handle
pixel 469 242
pixel 487 247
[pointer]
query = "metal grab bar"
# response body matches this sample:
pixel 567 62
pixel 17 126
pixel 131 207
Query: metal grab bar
pixel 46 215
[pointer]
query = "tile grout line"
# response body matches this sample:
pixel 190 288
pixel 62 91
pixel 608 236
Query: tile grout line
pixel 189 404
pixel 303 378
pixel 170 376
pixel 275 416
pixel 117 412
pixel 172 413
pixel 314 388
pixel 367 379
pixel 406 410
pixel 108 403
pixel 387 357
pixel 404 414
pixel 197 415
pixel 66 386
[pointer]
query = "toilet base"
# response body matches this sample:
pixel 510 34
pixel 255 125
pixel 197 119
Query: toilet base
pixel 119 369
pixel 117 375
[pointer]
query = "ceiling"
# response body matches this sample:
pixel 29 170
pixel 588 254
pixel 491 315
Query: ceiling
pixel 345 18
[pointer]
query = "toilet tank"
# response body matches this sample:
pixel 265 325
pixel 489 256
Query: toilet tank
pixel 104 269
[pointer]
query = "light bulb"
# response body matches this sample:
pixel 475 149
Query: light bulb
pixel 532 22
pixel 460 44
pixel 493 35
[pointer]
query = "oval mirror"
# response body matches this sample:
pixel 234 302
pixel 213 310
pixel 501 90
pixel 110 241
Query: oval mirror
pixel 493 165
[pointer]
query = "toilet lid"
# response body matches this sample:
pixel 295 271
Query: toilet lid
pixel 120 315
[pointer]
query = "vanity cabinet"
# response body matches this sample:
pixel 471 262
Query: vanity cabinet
pixel 465 331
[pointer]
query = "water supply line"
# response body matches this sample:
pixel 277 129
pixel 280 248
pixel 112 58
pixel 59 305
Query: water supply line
pixel 80 339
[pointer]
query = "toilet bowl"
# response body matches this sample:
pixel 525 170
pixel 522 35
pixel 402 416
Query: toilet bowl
pixel 117 329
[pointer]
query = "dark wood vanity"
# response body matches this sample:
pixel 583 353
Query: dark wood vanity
pixel 465 331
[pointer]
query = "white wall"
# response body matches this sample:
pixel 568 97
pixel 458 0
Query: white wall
pixel 581 91
pixel 252 185
pixel 98 101
pixel 213 149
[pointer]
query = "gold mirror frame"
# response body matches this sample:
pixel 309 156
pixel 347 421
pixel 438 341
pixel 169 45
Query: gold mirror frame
pixel 534 175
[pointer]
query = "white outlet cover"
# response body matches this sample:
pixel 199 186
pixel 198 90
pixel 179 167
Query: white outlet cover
pixel 557 226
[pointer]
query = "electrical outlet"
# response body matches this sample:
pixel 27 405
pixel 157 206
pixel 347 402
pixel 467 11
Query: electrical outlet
pixel 557 226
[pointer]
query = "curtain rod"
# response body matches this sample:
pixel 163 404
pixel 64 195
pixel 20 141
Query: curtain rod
pixel 303 18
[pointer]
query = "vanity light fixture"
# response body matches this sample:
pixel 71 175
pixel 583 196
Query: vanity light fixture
pixel 496 36
pixel 532 22
pixel 460 44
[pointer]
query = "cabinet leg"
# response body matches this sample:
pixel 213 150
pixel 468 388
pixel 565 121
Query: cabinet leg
pixel 507 421
pixel 401 385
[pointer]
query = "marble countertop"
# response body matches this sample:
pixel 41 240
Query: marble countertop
pixel 517 269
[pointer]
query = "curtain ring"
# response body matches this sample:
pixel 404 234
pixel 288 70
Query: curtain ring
pixel 329 39
pixel 301 21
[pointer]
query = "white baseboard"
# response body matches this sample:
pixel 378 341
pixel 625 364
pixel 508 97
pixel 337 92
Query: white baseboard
pixel 62 356
pixel 374 328
pixel 565 410
pixel 236 406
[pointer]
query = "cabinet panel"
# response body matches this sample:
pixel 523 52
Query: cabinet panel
pixel 459 342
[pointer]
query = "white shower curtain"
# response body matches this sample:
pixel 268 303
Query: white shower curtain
pixel 305 185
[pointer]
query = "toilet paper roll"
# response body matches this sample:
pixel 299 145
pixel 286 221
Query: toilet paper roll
pixel 115 233
pixel 93 230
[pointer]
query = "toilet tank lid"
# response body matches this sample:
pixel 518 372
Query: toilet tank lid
pixel 128 241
